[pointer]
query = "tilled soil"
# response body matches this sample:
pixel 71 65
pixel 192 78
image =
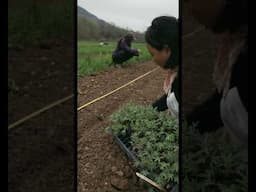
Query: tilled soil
pixel 102 166
pixel 41 150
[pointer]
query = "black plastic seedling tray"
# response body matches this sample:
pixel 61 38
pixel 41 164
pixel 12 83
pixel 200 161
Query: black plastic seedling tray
pixel 127 151
pixel 131 157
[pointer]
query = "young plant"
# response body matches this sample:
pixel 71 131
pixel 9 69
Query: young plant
pixel 152 137
pixel 211 163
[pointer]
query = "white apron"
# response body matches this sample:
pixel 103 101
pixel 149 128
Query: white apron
pixel 172 103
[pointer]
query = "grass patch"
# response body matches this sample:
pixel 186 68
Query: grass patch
pixel 212 162
pixel 30 22
pixel 93 57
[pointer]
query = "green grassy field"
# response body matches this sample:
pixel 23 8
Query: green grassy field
pixel 30 21
pixel 93 57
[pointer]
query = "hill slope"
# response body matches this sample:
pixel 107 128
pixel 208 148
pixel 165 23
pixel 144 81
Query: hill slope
pixel 90 27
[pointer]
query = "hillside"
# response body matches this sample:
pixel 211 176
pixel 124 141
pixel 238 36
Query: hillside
pixel 90 27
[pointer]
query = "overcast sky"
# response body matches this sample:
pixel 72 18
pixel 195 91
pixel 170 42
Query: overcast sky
pixel 133 14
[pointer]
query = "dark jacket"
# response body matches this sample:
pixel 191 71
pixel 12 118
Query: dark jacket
pixel 161 103
pixel 207 115
pixel 124 46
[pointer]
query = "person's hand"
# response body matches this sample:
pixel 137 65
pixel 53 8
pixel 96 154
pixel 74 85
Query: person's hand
pixel 138 52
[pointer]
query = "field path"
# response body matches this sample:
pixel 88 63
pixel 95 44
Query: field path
pixel 100 161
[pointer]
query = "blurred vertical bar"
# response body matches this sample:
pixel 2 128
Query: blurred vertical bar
pixel 41 71
pixel 211 159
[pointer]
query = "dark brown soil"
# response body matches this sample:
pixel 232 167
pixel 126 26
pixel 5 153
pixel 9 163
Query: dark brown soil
pixel 41 75
pixel 40 151
pixel 99 158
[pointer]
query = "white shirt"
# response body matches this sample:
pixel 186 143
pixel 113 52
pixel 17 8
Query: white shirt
pixel 235 116
pixel 172 103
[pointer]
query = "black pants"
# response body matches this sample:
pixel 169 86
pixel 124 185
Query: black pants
pixel 121 56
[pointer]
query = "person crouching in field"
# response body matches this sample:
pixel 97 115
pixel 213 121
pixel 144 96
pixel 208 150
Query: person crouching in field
pixel 228 106
pixel 162 39
pixel 123 51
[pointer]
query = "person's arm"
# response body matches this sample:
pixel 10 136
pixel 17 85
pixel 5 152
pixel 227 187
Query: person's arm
pixel 207 115
pixel 125 47
pixel 160 104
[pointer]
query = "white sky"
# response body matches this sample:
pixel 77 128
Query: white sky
pixel 133 14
